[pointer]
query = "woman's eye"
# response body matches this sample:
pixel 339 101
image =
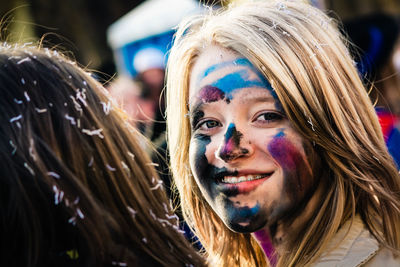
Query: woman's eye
pixel 268 117
pixel 208 124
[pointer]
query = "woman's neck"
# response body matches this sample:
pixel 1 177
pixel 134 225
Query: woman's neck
pixel 273 239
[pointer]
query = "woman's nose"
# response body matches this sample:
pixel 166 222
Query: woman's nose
pixel 233 147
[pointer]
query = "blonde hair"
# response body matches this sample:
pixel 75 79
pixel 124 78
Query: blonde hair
pixel 301 52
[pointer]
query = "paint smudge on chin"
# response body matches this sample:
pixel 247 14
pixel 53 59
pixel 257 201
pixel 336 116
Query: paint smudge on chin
pixel 231 147
pixel 265 242
pixel 211 94
pixel 243 213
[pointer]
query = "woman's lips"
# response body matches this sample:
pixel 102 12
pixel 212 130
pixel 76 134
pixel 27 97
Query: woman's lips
pixel 244 183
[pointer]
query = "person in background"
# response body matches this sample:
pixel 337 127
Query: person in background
pixel 76 187
pixel 275 146
pixel 375 38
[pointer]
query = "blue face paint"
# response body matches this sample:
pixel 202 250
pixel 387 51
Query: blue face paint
pixel 239 79
pixel 237 62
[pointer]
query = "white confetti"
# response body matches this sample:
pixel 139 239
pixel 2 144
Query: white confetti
pixel 19 102
pixel 53 174
pixel 311 123
pixel 131 155
pixel 16 118
pixel 31 148
pixel 29 168
pixel 27 96
pixel 14 147
pixel 90 162
pixel 24 60
pixel 93 132
pixel 110 168
pixel 159 184
pixel 76 201
pixel 116 263
pixel 132 211
pixel 80 214
pixel 81 97
pixel 106 107
pixel 170 217
pixel 144 240
pixel 72 220
pixel 22 80
pixel 152 214
pixel 71 119
pixel 38 110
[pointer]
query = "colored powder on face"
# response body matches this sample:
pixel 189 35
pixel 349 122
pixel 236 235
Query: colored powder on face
pixel 236 80
pixel 284 152
pixel 231 143
pixel 266 244
pixel 237 62
pixel 295 167
pixel 243 212
pixel 239 79
pixel 211 94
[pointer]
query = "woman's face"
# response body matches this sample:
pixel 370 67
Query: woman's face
pixel 247 159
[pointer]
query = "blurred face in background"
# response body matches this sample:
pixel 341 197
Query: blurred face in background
pixel 127 93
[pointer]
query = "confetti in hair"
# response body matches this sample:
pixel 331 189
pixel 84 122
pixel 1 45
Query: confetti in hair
pixel 93 132
pixel 14 147
pixel 31 149
pixel 106 107
pixel 53 174
pixel 90 162
pixel 110 168
pixel 71 119
pixel 132 211
pixel 29 168
pixel 16 118
pixel 38 110
pixel 117 263
pixel 158 185
pixel 79 212
pixel 131 155
pixel 19 102
pixel 24 60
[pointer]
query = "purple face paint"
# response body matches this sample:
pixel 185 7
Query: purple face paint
pixel 294 165
pixel 210 94
pixel 265 242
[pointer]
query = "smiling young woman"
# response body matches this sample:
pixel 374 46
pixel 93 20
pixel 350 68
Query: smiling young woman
pixel 275 147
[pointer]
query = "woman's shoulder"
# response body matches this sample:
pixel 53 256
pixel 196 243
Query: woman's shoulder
pixel 383 257
pixel 353 245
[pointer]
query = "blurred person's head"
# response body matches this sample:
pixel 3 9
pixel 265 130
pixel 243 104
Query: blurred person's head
pixel 149 64
pixel 129 96
pixel 76 187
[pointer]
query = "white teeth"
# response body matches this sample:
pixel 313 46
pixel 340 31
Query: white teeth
pixel 245 178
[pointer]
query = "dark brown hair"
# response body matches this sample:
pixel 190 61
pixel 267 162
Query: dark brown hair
pixel 76 186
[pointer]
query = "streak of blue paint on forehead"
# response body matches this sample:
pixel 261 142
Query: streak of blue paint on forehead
pixel 239 79
pixel 238 62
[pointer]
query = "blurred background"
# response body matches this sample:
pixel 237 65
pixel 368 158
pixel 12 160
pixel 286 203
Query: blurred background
pixel 81 25
pixel 126 42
